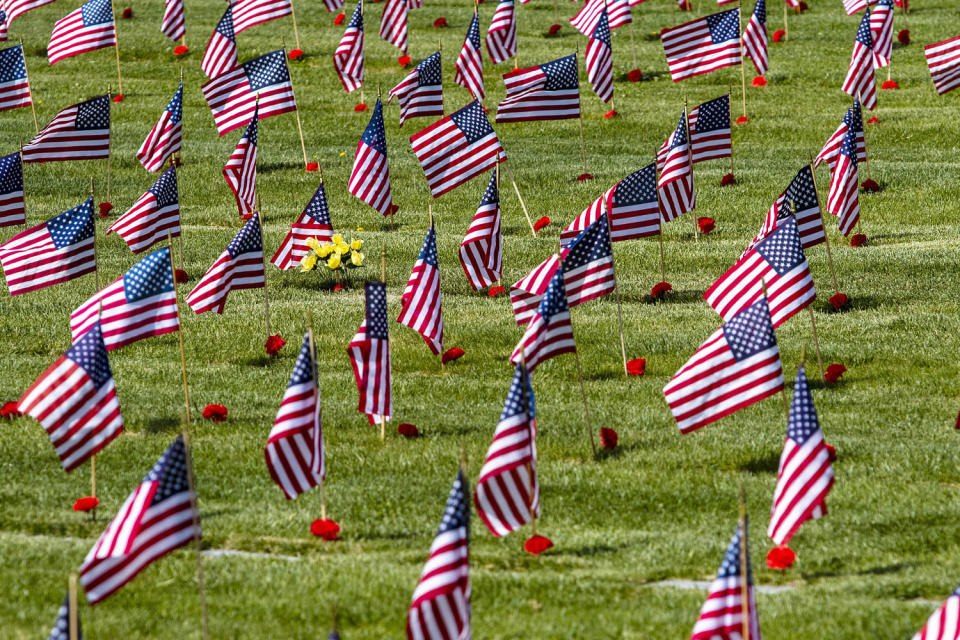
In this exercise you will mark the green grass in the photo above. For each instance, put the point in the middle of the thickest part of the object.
(662, 506)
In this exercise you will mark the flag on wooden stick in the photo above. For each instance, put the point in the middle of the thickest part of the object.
(481, 252)
(421, 310)
(240, 266)
(154, 215)
(369, 352)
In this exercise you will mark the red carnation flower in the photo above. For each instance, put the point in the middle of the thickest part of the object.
(313, 166)
(839, 301)
(408, 430)
(118, 98)
(274, 344)
(781, 557)
(554, 29)
(858, 240)
(215, 412)
(403, 61)
(86, 504)
(779, 35)
(635, 75)
(105, 209)
(803, 6)
(873, 120)
(889, 84)
(706, 225)
(535, 545)
(610, 114)
(831, 452)
(10, 411)
(337, 288)
(180, 49)
(440, 22)
(452, 354)
(759, 81)
(727, 180)
(127, 13)
(903, 36)
(360, 107)
(324, 528)
(660, 289)
(608, 438)
(541, 223)
(339, 19)
(637, 366)
(583, 177)
(742, 120)
(295, 54)
(870, 185)
(686, 6)
(493, 292)
(834, 373)
(180, 276)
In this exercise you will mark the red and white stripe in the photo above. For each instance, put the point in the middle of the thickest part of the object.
(469, 65)
(618, 14)
(240, 172)
(70, 37)
(691, 51)
(502, 35)
(675, 188)
(860, 81)
(526, 293)
(755, 41)
(843, 200)
(15, 8)
(221, 52)
(421, 310)
(146, 224)
(853, 6)
(61, 140)
(332, 5)
(172, 25)
(481, 252)
(943, 60)
(370, 177)
(15, 93)
(393, 23)
(294, 246)
(881, 30)
(370, 359)
(629, 220)
(546, 337)
(712, 143)
(232, 101)
(586, 218)
(416, 100)
(163, 141)
(944, 623)
(598, 57)
(832, 147)
(228, 273)
(722, 613)
(527, 99)
(249, 13)
(348, 57)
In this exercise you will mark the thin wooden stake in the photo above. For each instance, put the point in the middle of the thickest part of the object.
(183, 356)
(73, 615)
(616, 286)
(633, 45)
(296, 34)
(266, 297)
(583, 393)
(783, 392)
(816, 342)
(303, 146)
(116, 47)
(686, 126)
(786, 31)
(583, 147)
(109, 148)
(730, 105)
(520, 198)
(826, 236)
(443, 108)
(383, 278)
(319, 417)
(743, 71)
(656, 179)
(744, 569)
(33, 107)
(195, 513)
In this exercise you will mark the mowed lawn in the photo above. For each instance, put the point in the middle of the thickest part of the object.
(661, 506)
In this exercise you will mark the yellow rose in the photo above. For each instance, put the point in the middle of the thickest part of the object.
(313, 243)
(308, 262)
(356, 258)
(324, 250)
(359, 228)
(334, 261)
(355, 244)
(337, 239)
(342, 248)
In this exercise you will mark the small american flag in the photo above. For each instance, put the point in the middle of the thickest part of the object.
(527, 293)
(755, 38)
(155, 214)
(240, 172)
(675, 185)
(157, 518)
(85, 29)
(588, 267)
(860, 81)
(164, 139)
(314, 222)
(633, 206)
(16, 8)
(801, 195)
(704, 45)
(79, 132)
(294, 451)
(738, 365)
(507, 495)
(221, 52)
(369, 352)
(76, 402)
(852, 6)
(440, 609)
(141, 303)
(55, 251)
(249, 13)
(233, 95)
(12, 211)
(469, 64)
(599, 59)
(618, 14)
(240, 266)
(549, 333)
(710, 130)
(332, 5)
(881, 30)
(172, 24)
(481, 252)
(61, 628)
(14, 84)
(393, 23)
(502, 34)
(457, 149)
(943, 60)
(549, 91)
(370, 178)
(852, 120)
(843, 200)
(805, 476)
(348, 58)
(944, 623)
(420, 94)
(421, 310)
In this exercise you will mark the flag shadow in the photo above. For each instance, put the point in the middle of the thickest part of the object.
(163, 424)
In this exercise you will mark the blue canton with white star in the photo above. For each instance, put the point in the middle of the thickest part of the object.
(376, 300)
(491, 195)
(225, 26)
(714, 115)
(176, 105)
(301, 370)
(592, 244)
(61, 629)
(750, 331)
(428, 252)
(956, 592)
(782, 248)
(680, 133)
(801, 191)
(170, 472)
(73, 226)
(516, 402)
(863, 31)
(97, 12)
(884, 3)
(760, 11)
(93, 114)
(853, 118)
(250, 133)
(561, 74)
(803, 417)
(428, 71)
(90, 354)
(601, 32)
(12, 65)
(248, 240)
(164, 190)
(357, 20)
(730, 568)
(473, 33)
(267, 70)
(555, 299)
(11, 173)
(317, 208)
(637, 188)
(724, 26)
(472, 122)
(374, 136)
(849, 147)
(151, 276)
(456, 514)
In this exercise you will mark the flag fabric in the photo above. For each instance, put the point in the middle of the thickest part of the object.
(370, 177)
(314, 222)
(944, 623)
(618, 14)
(710, 130)
(502, 34)
(943, 60)
(79, 132)
(16, 8)
(481, 252)
(420, 301)
(507, 495)
(332, 5)
(549, 333)
(85, 29)
(369, 352)
(549, 91)
(853, 6)
(704, 45)
(527, 293)
(172, 24)
(155, 214)
(805, 476)
(881, 31)
(3, 26)
(755, 38)
(738, 365)
(860, 81)
(586, 218)
(802, 195)
(457, 148)
(250, 13)
(843, 200)
(240, 172)
(12, 211)
(221, 52)
(599, 59)
(852, 120)
(76, 401)
(721, 616)
(675, 184)
(633, 207)
(233, 95)
(14, 84)
(164, 139)
(393, 23)
(157, 518)
(420, 94)
(240, 266)
(440, 609)
(61, 628)
(58, 250)
(469, 64)
(141, 303)
(588, 270)
(348, 57)
(294, 451)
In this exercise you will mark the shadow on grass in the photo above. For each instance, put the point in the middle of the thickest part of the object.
(873, 571)
(163, 424)
(673, 297)
(766, 464)
(646, 76)
(588, 551)
(261, 361)
(279, 166)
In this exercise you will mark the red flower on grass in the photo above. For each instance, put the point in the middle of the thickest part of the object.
(608, 438)
(903, 36)
(127, 13)
(360, 107)
(554, 29)
(834, 373)
(803, 6)
(660, 289)
(541, 223)
(583, 177)
(535, 545)
(339, 19)
(889, 84)
(706, 225)
(686, 6)
(337, 288)
(637, 366)
(440, 22)
(10, 411)
(493, 292)
(86, 504)
(759, 81)
(180, 49)
(831, 452)
(408, 430)
(870, 185)
(858, 240)
(611, 114)
(452, 354)
(118, 98)
(180, 276)
(781, 557)
(105, 209)
(635, 75)
(873, 120)
(215, 412)
(325, 528)
(727, 180)
(742, 120)
(779, 35)
(273, 344)
(403, 61)
(313, 166)
(295, 54)
(839, 301)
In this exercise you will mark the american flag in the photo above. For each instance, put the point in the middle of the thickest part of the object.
(502, 34)
(370, 178)
(703, 45)
(420, 94)
(314, 222)
(860, 81)
(527, 293)
(155, 214)
(599, 59)
(852, 120)
(55, 251)
(801, 195)
(240, 172)
(457, 149)
(369, 352)
(294, 451)
(618, 14)
(14, 85)
(675, 184)
(76, 402)
(393, 23)
(481, 252)
(141, 303)
(843, 200)
(507, 495)
(157, 518)
(250, 13)
(164, 139)
(549, 333)
(944, 623)
(85, 29)
(633, 206)
(233, 95)
(12, 211)
(421, 297)
(172, 25)
(3, 25)
(332, 5)
(240, 266)
(221, 52)
(738, 365)
(710, 130)
(805, 476)
(469, 64)
(549, 91)
(586, 218)
(61, 628)
(881, 31)
(721, 616)
(79, 132)
(852, 6)
(440, 609)
(16, 8)
(588, 271)
(755, 38)
(943, 59)
(348, 58)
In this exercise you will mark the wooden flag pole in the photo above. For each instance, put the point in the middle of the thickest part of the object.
(583, 393)
(656, 176)
(744, 569)
(296, 34)
(633, 46)
(430, 213)
(116, 47)
(743, 71)
(526, 410)
(33, 107)
(826, 236)
(686, 126)
(583, 147)
(316, 391)
(109, 147)
(296, 112)
(383, 278)
(730, 105)
(183, 356)
(613, 270)
(786, 30)
(196, 532)
(443, 109)
(180, 151)
(96, 281)
(783, 391)
(520, 198)
(813, 322)
(73, 616)
(266, 297)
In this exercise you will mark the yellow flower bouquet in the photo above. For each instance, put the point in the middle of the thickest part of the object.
(336, 255)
